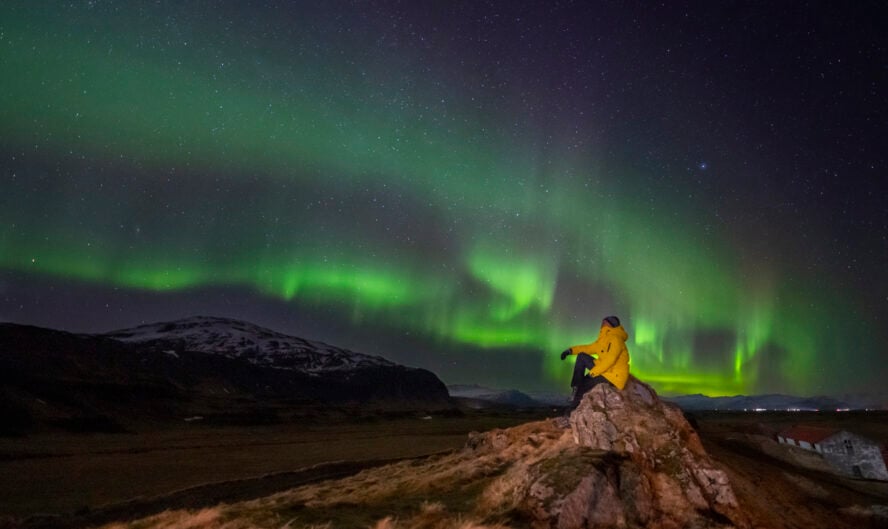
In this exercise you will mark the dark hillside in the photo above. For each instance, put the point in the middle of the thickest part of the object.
(94, 383)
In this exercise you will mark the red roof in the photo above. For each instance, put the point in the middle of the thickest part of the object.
(811, 434)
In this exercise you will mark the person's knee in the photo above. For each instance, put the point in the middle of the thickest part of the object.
(585, 361)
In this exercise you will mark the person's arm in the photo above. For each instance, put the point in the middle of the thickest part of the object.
(578, 349)
(589, 349)
(607, 356)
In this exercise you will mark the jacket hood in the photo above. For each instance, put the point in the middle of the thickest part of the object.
(619, 332)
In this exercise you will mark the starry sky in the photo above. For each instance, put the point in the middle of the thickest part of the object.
(464, 186)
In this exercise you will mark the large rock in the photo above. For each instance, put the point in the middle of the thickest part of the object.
(629, 461)
(653, 471)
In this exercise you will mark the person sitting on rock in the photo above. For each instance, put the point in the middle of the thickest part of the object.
(611, 366)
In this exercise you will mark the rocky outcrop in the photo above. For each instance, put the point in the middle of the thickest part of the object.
(634, 461)
(671, 482)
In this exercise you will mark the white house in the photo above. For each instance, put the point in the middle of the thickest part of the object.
(848, 453)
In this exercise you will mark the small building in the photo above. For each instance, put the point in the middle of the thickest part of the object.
(848, 453)
(807, 437)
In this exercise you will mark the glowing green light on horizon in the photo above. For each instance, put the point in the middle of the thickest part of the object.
(710, 384)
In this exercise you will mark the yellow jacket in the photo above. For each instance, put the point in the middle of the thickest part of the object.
(613, 356)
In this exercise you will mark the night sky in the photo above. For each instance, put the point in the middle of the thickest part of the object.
(467, 187)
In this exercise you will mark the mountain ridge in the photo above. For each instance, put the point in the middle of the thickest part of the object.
(93, 382)
(479, 396)
(240, 339)
(776, 402)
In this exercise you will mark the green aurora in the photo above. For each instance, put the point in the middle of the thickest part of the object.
(335, 180)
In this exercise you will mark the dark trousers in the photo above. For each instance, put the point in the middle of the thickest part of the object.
(581, 381)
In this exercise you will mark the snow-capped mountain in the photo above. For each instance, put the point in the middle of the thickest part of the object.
(224, 371)
(257, 345)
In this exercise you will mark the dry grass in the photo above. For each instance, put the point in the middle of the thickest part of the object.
(464, 489)
(180, 520)
(433, 515)
(110, 469)
(428, 515)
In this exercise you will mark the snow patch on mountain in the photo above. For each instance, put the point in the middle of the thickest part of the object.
(258, 345)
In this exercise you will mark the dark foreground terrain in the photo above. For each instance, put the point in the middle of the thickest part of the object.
(68, 480)
(74, 480)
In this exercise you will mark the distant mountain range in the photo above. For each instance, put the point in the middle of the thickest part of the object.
(202, 368)
(776, 402)
(233, 372)
(479, 396)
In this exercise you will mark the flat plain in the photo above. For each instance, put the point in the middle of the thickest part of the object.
(67, 473)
